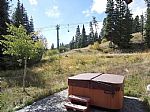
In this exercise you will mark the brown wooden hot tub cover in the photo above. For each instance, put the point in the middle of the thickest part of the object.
(104, 90)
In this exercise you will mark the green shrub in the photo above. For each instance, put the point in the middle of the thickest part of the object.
(52, 52)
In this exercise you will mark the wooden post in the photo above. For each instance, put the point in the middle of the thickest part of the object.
(24, 74)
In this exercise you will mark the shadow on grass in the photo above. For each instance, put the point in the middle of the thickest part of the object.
(134, 48)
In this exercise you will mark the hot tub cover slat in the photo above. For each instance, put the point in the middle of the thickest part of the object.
(85, 76)
(109, 78)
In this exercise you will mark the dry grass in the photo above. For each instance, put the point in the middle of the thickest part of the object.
(137, 37)
(50, 75)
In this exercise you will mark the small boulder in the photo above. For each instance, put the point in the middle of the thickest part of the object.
(148, 88)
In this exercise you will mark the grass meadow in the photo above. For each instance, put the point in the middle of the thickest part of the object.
(50, 75)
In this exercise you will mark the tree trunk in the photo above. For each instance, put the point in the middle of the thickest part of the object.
(24, 74)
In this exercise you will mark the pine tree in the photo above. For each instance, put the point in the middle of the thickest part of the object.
(78, 37)
(95, 23)
(83, 38)
(4, 18)
(31, 29)
(147, 25)
(136, 25)
(25, 20)
(147, 28)
(109, 19)
(91, 34)
(20, 16)
(31, 25)
(125, 25)
(142, 25)
(116, 27)
(103, 30)
(96, 36)
(127, 29)
(148, 3)
(72, 44)
(99, 39)
(17, 17)
(80, 43)
(52, 46)
(120, 22)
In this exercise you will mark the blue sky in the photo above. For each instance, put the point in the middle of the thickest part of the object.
(48, 13)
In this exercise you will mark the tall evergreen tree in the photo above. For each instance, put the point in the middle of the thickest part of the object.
(31, 25)
(147, 28)
(20, 16)
(124, 25)
(31, 29)
(109, 19)
(78, 37)
(52, 46)
(4, 18)
(136, 25)
(116, 25)
(147, 25)
(96, 38)
(103, 30)
(17, 16)
(95, 23)
(127, 29)
(91, 34)
(142, 25)
(72, 44)
(83, 38)
(25, 19)
(148, 3)
(99, 39)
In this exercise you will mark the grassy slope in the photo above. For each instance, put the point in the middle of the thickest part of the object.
(48, 77)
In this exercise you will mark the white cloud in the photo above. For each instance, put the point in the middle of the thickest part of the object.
(138, 7)
(53, 12)
(98, 6)
(33, 2)
(86, 13)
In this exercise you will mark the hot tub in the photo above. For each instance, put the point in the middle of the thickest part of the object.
(104, 90)
(81, 84)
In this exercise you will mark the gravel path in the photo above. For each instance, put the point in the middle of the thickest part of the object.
(54, 103)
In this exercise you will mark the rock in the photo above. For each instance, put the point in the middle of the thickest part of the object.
(148, 88)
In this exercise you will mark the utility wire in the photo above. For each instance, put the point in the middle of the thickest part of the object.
(62, 26)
